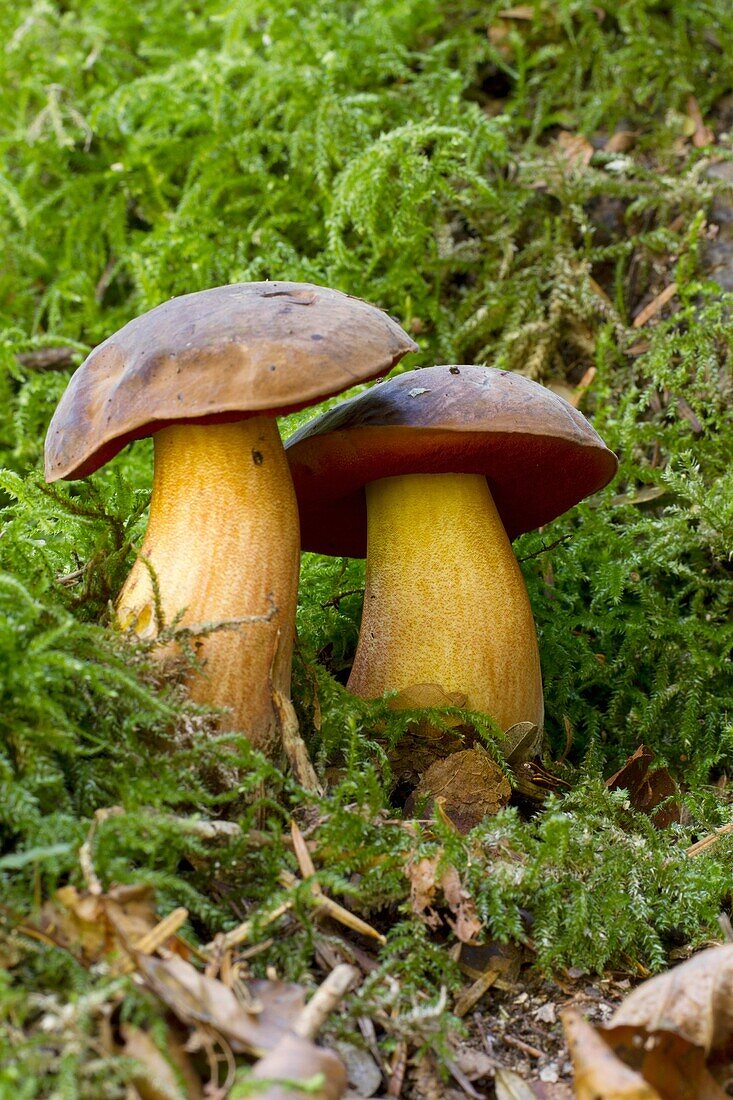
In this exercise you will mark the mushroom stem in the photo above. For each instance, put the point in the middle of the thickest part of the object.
(223, 542)
(445, 600)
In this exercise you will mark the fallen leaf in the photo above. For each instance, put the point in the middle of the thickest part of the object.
(297, 1062)
(574, 149)
(621, 141)
(647, 789)
(157, 1078)
(472, 785)
(664, 1040)
(521, 742)
(693, 1001)
(599, 1074)
(510, 1086)
(95, 925)
(198, 1000)
(429, 876)
(466, 923)
(424, 887)
(702, 135)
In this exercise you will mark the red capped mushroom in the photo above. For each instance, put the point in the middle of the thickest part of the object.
(431, 474)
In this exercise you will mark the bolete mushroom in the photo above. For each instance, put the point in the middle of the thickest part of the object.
(431, 474)
(206, 374)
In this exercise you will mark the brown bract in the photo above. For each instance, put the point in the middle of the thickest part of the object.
(539, 454)
(215, 356)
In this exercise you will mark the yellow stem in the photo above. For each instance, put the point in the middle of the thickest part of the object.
(223, 541)
(445, 601)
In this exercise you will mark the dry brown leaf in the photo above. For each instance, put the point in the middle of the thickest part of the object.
(693, 1001)
(157, 1078)
(510, 1086)
(424, 887)
(647, 788)
(574, 149)
(296, 1059)
(599, 1074)
(472, 785)
(702, 135)
(466, 923)
(621, 141)
(197, 1000)
(94, 925)
(430, 875)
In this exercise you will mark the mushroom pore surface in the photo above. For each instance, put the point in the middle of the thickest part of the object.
(445, 600)
(223, 542)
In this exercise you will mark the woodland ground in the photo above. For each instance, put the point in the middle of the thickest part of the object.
(544, 188)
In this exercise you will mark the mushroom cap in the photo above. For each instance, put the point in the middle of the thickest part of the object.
(539, 454)
(247, 349)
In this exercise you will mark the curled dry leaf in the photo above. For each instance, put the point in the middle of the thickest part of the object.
(296, 1061)
(574, 149)
(471, 784)
(647, 789)
(693, 1001)
(668, 1039)
(430, 875)
(159, 1077)
(599, 1074)
(95, 925)
(200, 1001)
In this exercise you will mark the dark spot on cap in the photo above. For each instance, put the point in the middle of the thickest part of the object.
(257, 458)
(273, 366)
(316, 336)
(454, 370)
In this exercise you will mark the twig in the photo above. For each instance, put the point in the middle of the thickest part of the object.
(86, 861)
(525, 1048)
(293, 744)
(243, 931)
(334, 601)
(474, 993)
(397, 1069)
(47, 358)
(328, 995)
(655, 306)
(332, 909)
(708, 841)
(155, 938)
(544, 548)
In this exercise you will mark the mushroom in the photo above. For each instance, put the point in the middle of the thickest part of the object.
(431, 474)
(206, 374)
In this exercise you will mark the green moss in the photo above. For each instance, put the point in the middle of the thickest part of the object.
(406, 152)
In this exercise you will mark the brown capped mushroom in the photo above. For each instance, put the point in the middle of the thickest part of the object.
(430, 474)
(206, 374)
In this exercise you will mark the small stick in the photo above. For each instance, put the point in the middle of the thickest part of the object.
(294, 745)
(655, 306)
(243, 931)
(302, 854)
(474, 993)
(332, 909)
(397, 1070)
(708, 841)
(521, 1045)
(325, 999)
